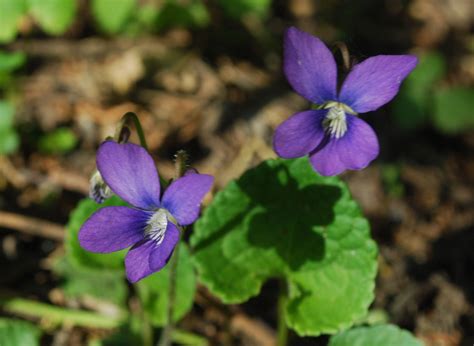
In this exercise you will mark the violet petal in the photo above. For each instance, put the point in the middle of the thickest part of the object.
(299, 134)
(375, 81)
(162, 252)
(355, 150)
(183, 197)
(130, 172)
(137, 260)
(112, 229)
(309, 66)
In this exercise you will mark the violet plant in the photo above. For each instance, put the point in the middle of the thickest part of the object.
(153, 226)
(332, 135)
(279, 221)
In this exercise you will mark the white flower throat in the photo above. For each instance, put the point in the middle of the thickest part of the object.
(156, 226)
(335, 122)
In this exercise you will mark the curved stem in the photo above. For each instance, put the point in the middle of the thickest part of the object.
(126, 119)
(346, 59)
(166, 337)
(282, 331)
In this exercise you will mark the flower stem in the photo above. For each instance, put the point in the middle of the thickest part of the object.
(122, 128)
(282, 332)
(346, 59)
(166, 336)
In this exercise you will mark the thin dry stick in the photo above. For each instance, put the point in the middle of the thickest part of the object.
(31, 225)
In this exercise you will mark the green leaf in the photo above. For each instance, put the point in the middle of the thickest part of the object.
(54, 16)
(81, 281)
(18, 333)
(121, 10)
(153, 290)
(240, 8)
(412, 105)
(11, 61)
(9, 139)
(453, 109)
(59, 141)
(11, 13)
(75, 253)
(282, 220)
(130, 333)
(6, 115)
(385, 334)
(190, 13)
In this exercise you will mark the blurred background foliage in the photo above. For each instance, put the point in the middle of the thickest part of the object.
(205, 75)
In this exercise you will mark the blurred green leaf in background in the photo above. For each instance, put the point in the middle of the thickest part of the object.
(9, 139)
(189, 13)
(54, 16)
(18, 333)
(454, 109)
(11, 13)
(239, 8)
(60, 141)
(412, 106)
(79, 282)
(9, 62)
(111, 15)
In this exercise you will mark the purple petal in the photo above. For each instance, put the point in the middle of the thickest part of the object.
(130, 172)
(183, 198)
(137, 260)
(300, 134)
(355, 150)
(112, 229)
(375, 81)
(309, 66)
(162, 252)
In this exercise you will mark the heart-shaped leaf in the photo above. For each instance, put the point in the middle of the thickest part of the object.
(282, 220)
(385, 334)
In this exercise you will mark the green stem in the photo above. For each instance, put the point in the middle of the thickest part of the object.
(126, 119)
(282, 332)
(168, 330)
(182, 337)
(59, 315)
(147, 329)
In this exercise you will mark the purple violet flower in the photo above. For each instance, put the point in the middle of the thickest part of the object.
(151, 227)
(332, 135)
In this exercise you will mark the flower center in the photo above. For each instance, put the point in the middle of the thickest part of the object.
(335, 122)
(156, 225)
